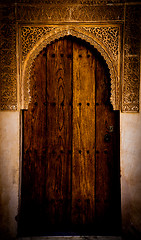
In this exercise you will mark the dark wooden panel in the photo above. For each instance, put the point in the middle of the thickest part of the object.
(70, 144)
(83, 158)
(34, 145)
(107, 153)
(59, 131)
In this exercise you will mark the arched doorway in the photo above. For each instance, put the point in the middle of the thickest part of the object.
(70, 173)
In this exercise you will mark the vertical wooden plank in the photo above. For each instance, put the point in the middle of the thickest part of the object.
(59, 131)
(83, 156)
(34, 144)
(107, 154)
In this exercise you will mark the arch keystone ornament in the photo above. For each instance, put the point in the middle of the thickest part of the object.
(106, 39)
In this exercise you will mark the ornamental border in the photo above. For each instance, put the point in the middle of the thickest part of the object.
(37, 37)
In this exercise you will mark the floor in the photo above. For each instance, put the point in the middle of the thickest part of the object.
(72, 238)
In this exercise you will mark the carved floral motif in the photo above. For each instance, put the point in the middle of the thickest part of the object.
(131, 70)
(30, 35)
(130, 93)
(109, 36)
(104, 39)
(8, 67)
(68, 13)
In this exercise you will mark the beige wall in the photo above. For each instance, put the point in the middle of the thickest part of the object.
(9, 173)
(130, 173)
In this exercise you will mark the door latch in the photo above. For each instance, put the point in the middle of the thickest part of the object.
(111, 129)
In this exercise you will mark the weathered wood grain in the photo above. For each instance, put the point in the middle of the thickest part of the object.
(34, 148)
(59, 131)
(83, 156)
(107, 154)
(71, 171)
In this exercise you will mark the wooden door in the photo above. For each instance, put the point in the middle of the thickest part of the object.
(70, 174)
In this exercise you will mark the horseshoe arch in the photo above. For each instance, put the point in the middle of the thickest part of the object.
(78, 32)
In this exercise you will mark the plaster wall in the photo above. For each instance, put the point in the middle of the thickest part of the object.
(130, 148)
(9, 173)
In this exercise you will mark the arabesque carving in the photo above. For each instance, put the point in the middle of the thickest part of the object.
(30, 35)
(131, 66)
(27, 23)
(130, 93)
(109, 37)
(8, 67)
(69, 12)
(96, 36)
(90, 2)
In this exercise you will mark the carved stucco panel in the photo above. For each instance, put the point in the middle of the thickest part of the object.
(30, 36)
(69, 12)
(109, 36)
(131, 69)
(130, 93)
(8, 67)
(104, 39)
(89, 2)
